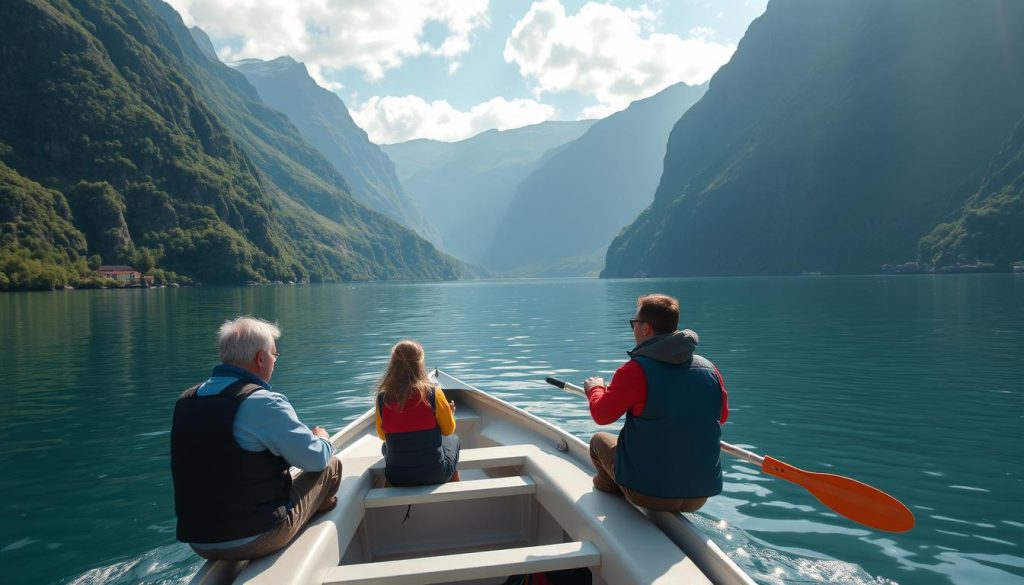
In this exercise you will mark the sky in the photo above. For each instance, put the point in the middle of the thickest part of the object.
(450, 69)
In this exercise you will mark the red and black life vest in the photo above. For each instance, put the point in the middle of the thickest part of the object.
(414, 439)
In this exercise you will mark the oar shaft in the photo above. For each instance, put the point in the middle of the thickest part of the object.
(743, 454)
(733, 450)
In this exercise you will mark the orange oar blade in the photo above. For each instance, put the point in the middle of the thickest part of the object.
(855, 500)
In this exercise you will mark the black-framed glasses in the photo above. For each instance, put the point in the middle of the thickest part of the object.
(633, 322)
(276, 354)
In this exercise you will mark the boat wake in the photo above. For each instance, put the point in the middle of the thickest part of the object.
(174, 564)
(770, 565)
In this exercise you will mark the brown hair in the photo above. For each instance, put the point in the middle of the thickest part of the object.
(406, 375)
(659, 311)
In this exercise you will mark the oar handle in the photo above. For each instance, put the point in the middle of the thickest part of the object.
(556, 382)
(733, 450)
(567, 386)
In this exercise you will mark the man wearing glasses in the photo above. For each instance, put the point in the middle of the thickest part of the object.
(667, 455)
(233, 441)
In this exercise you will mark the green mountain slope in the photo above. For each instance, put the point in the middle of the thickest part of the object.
(464, 187)
(840, 133)
(991, 226)
(39, 246)
(382, 247)
(324, 121)
(106, 122)
(580, 198)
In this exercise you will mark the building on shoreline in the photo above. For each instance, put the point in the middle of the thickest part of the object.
(124, 275)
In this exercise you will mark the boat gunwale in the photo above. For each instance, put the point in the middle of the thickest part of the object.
(711, 560)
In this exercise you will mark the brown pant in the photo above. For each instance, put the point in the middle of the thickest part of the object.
(309, 492)
(602, 453)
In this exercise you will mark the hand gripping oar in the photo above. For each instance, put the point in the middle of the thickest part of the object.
(848, 497)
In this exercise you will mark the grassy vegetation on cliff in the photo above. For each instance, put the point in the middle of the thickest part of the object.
(991, 227)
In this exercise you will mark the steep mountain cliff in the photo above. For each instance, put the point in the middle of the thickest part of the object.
(464, 187)
(324, 121)
(838, 135)
(114, 126)
(204, 43)
(990, 228)
(565, 213)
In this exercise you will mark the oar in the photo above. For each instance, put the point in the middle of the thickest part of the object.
(848, 497)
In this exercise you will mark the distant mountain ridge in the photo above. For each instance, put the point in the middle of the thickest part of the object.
(838, 135)
(464, 187)
(566, 212)
(119, 138)
(323, 120)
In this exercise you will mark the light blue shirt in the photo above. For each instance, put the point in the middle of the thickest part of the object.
(266, 421)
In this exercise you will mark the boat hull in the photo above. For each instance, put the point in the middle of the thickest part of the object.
(525, 499)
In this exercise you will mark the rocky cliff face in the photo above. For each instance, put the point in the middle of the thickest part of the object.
(465, 187)
(838, 135)
(565, 213)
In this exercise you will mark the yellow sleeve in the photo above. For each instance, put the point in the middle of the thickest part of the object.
(380, 423)
(443, 413)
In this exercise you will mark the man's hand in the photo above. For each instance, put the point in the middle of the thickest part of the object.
(592, 382)
(320, 432)
(451, 404)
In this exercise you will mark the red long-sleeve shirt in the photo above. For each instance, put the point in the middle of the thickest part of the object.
(628, 392)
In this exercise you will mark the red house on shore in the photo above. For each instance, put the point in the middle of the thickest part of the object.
(124, 274)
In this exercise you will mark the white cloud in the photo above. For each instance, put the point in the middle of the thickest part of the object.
(702, 32)
(393, 119)
(316, 72)
(611, 53)
(370, 35)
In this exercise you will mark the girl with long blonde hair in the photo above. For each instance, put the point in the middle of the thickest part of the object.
(416, 421)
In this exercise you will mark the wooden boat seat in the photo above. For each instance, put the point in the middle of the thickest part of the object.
(468, 566)
(449, 492)
(485, 457)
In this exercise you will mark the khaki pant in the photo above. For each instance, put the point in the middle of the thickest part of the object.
(602, 453)
(309, 493)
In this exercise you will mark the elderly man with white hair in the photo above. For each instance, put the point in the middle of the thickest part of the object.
(233, 441)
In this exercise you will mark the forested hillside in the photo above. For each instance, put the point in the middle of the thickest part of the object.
(840, 133)
(120, 145)
(991, 227)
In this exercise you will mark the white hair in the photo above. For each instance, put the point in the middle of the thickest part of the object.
(239, 339)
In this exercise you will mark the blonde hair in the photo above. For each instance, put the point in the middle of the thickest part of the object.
(406, 375)
(241, 338)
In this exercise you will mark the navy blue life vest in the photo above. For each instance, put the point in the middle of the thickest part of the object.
(221, 491)
(672, 449)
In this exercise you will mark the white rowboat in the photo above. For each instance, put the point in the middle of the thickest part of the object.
(525, 505)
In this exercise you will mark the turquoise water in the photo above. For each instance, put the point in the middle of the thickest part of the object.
(912, 384)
